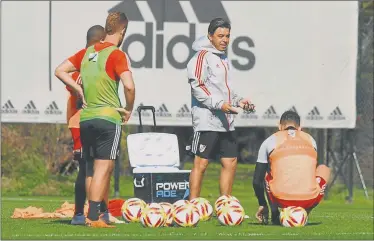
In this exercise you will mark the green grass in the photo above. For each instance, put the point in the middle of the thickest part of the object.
(332, 219)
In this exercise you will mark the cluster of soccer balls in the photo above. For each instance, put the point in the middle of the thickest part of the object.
(183, 213)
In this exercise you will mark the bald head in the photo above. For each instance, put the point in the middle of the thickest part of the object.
(95, 34)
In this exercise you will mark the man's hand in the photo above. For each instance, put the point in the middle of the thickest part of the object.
(228, 109)
(125, 113)
(262, 214)
(80, 94)
(247, 106)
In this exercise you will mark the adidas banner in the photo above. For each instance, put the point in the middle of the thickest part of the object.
(284, 55)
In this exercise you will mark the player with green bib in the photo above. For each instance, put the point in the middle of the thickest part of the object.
(102, 66)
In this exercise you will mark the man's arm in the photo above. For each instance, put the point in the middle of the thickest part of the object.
(262, 166)
(129, 89)
(63, 71)
(123, 71)
(197, 72)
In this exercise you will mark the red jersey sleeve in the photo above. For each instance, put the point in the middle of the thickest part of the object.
(122, 63)
(118, 62)
(76, 59)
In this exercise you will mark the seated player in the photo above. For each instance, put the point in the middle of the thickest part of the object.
(287, 161)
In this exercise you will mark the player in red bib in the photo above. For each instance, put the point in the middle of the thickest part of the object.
(73, 110)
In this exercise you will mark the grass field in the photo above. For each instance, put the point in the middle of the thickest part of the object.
(333, 219)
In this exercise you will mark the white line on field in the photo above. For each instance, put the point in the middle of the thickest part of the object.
(176, 234)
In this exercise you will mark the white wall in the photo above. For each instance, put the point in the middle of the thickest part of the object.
(305, 56)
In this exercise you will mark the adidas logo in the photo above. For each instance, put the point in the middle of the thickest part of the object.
(144, 113)
(336, 114)
(270, 113)
(293, 109)
(249, 116)
(52, 109)
(30, 108)
(8, 108)
(157, 36)
(314, 114)
(163, 111)
(184, 112)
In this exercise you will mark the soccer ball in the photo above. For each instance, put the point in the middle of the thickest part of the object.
(168, 209)
(293, 217)
(180, 203)
(186, 215)
(132, 209)
(204, 207)
(224, 199)
(230, 214)
(153, 216)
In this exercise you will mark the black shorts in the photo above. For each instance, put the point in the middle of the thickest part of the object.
(213, 144)
(100, 139)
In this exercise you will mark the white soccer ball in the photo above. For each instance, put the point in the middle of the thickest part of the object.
(224, 199)
(231, 214)
(180, 203)
(186, 215)
(293, 217)
(204, 207)
(168, 209)
(153, 216)
(132, 209)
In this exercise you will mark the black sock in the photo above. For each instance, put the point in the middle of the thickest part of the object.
(93, 210)
(80, 189)
(275, 217)
(103, 207)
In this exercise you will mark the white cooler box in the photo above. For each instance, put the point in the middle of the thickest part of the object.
(155, 159)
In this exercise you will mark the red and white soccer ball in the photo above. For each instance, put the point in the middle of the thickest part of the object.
(153, 216)
(180, 203)
(168, 209)
(132, 209)
(204, 207)
(230, 214)
(186, 215)
(293, 217)
(224, 199)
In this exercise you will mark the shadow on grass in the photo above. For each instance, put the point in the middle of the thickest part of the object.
(314, 224)
(259, 224)
(60, 221)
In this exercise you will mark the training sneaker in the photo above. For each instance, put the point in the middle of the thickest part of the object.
(98, 224)
(105, 217)
(78, 219)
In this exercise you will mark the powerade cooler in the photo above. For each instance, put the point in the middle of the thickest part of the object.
(155, 159)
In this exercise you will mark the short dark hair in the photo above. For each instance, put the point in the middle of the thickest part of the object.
(95, 34)
(218, 23)
(115, 22)
(289, 117)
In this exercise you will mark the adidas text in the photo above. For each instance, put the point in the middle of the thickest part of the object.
(147, 40)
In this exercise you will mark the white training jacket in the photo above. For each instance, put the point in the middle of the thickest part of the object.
(211, 85)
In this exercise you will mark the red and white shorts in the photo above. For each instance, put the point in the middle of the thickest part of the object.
(306, 204)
